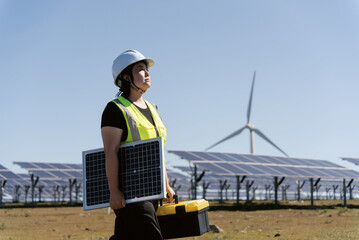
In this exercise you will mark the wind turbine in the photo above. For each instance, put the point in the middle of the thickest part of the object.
(251, 128)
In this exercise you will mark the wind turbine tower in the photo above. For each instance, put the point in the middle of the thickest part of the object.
(249, 126)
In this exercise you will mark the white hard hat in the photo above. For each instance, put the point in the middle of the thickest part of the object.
(127, 58)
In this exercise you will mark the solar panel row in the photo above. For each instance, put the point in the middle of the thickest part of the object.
(263, 187)
(229, 164)
(51, 176)
(49, 166)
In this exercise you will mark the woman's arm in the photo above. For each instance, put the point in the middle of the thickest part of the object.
(111, 137)
(169, 190)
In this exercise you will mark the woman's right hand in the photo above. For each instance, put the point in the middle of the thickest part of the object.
(117, 200)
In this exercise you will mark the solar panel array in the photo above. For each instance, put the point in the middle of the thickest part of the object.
(53, 182)
(141, 173)
(219, 166)
(260, 170)
(262, 187)
(53, 171)
(231, 164)
(7, 174)
(180, 182)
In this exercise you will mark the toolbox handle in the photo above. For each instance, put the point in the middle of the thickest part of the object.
(174, 196)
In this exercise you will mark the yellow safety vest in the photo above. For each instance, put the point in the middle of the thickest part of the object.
(139, 128)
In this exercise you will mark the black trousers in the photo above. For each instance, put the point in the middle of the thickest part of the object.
(137, 221)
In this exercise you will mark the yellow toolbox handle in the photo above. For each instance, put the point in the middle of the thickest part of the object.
(174, 196)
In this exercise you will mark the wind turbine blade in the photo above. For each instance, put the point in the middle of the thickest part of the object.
(268, 140)
(250, 99)
(228, 137)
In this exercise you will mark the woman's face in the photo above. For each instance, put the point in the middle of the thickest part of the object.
(141, 76)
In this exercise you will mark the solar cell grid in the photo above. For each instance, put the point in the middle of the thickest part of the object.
(43, 165)
(352, 160)
(292, 171)
(96, 185)
(141, 173)
(273, 160)
(25, 165)
(75, 166)
(308, 162)
(246, 158)
(293, 162)
(74, 174)
(42, 174)
(8, 174)
(259, 159)
(283, 160)
(59, 166)
(351, 173)
(47, 182)
(334, 172)
(206, 156)
(252, 169)
(172, 174)
(213, 168)
(19, 181)
(186, 155)
(183, 168)
(269, 170)
(314, 172)
(282, 171)
(60, 182)
(223, 157)
(59, 174)
(225, 168)
(328, 164)
(237, 169)
(144, 172)
(328, 172)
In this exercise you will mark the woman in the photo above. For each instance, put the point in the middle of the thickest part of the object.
(126, 119)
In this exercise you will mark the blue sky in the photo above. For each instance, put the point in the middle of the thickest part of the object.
(55, 74)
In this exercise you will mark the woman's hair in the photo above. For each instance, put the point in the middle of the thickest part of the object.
(125, 85)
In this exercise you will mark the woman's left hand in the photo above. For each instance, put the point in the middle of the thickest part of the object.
(170, 194)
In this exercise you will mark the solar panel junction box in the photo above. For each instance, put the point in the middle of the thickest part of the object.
(183, 219)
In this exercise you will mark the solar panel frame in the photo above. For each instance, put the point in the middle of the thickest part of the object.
(102, 200)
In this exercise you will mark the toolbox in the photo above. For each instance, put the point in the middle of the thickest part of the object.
(183, 219)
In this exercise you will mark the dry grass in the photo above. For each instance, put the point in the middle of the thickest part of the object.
(74, 223)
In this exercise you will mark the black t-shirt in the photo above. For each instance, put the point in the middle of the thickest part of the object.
(112, 116)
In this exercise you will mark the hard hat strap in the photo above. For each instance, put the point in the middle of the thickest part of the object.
(139, 90)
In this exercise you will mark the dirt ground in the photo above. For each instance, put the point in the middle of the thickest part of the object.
(74, 223)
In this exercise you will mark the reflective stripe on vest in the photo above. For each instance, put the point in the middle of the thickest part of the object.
(139, 127)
